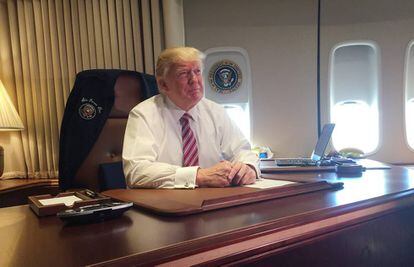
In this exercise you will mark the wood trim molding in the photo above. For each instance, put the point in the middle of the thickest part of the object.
(272, 235)
(19, 184)
(16, 191)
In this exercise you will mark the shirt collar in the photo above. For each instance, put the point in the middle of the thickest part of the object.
(177, 112)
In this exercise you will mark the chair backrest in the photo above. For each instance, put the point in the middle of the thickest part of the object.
(128, 92)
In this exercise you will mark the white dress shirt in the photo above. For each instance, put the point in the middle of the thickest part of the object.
(152, 151)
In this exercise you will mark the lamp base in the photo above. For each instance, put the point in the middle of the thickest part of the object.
(1, 160)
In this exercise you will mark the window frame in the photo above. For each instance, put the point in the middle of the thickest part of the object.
(405, 95)
(377, 54)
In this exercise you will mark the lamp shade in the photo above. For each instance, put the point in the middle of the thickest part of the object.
(9, 118)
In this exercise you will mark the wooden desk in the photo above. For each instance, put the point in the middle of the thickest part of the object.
(15, 191)
(367, 223)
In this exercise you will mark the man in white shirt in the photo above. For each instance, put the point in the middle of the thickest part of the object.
(179, 139)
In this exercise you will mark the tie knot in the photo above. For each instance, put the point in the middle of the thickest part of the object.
(185, 118)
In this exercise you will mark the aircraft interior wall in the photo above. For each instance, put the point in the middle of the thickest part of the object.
(281, 38)
(389, 24)
(282, 49)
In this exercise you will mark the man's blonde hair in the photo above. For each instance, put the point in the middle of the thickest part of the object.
(174, 55)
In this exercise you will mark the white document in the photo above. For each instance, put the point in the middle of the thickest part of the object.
(68, 200)
(268, 183)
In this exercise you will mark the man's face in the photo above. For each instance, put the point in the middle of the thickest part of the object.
(183, 84)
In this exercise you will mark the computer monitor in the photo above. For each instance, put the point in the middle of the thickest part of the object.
(323, 140)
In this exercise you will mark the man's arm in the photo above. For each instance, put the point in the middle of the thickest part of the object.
(140, 151)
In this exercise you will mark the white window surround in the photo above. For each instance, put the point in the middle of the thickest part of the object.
(241, 99)
(371, 99)
(409, 96)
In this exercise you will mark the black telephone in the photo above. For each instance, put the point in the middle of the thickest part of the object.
(96, 212)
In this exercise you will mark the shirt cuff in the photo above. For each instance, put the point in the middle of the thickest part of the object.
(185, 178)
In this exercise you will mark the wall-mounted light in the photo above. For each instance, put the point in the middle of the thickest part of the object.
(9, 119)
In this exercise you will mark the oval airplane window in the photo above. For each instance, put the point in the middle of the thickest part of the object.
(409, 122)
(227, 81)
(356, 126)
(239, 113)
(409, 95)
(354, 90)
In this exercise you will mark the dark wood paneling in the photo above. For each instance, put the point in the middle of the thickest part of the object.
(384, 241)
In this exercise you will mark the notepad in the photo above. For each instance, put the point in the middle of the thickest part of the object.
(67, 200)
(268, 183)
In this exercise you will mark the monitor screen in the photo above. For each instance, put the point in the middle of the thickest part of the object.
(323, 141)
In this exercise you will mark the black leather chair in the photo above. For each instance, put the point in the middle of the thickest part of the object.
(101, 165)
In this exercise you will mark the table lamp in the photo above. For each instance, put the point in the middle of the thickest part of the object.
(9, 119)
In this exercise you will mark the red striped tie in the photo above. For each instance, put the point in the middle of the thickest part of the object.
(190, 150)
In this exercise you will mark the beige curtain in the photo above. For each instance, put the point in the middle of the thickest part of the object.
(47, 43)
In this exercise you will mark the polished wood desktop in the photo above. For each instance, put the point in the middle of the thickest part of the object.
(15, 191)
(367, 223)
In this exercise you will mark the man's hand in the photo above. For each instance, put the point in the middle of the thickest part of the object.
(242, 174)
(225, 174)
(215, 176)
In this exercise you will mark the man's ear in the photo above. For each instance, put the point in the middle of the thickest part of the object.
(162, 85)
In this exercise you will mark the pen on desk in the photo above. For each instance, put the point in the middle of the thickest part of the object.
(90, 193)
